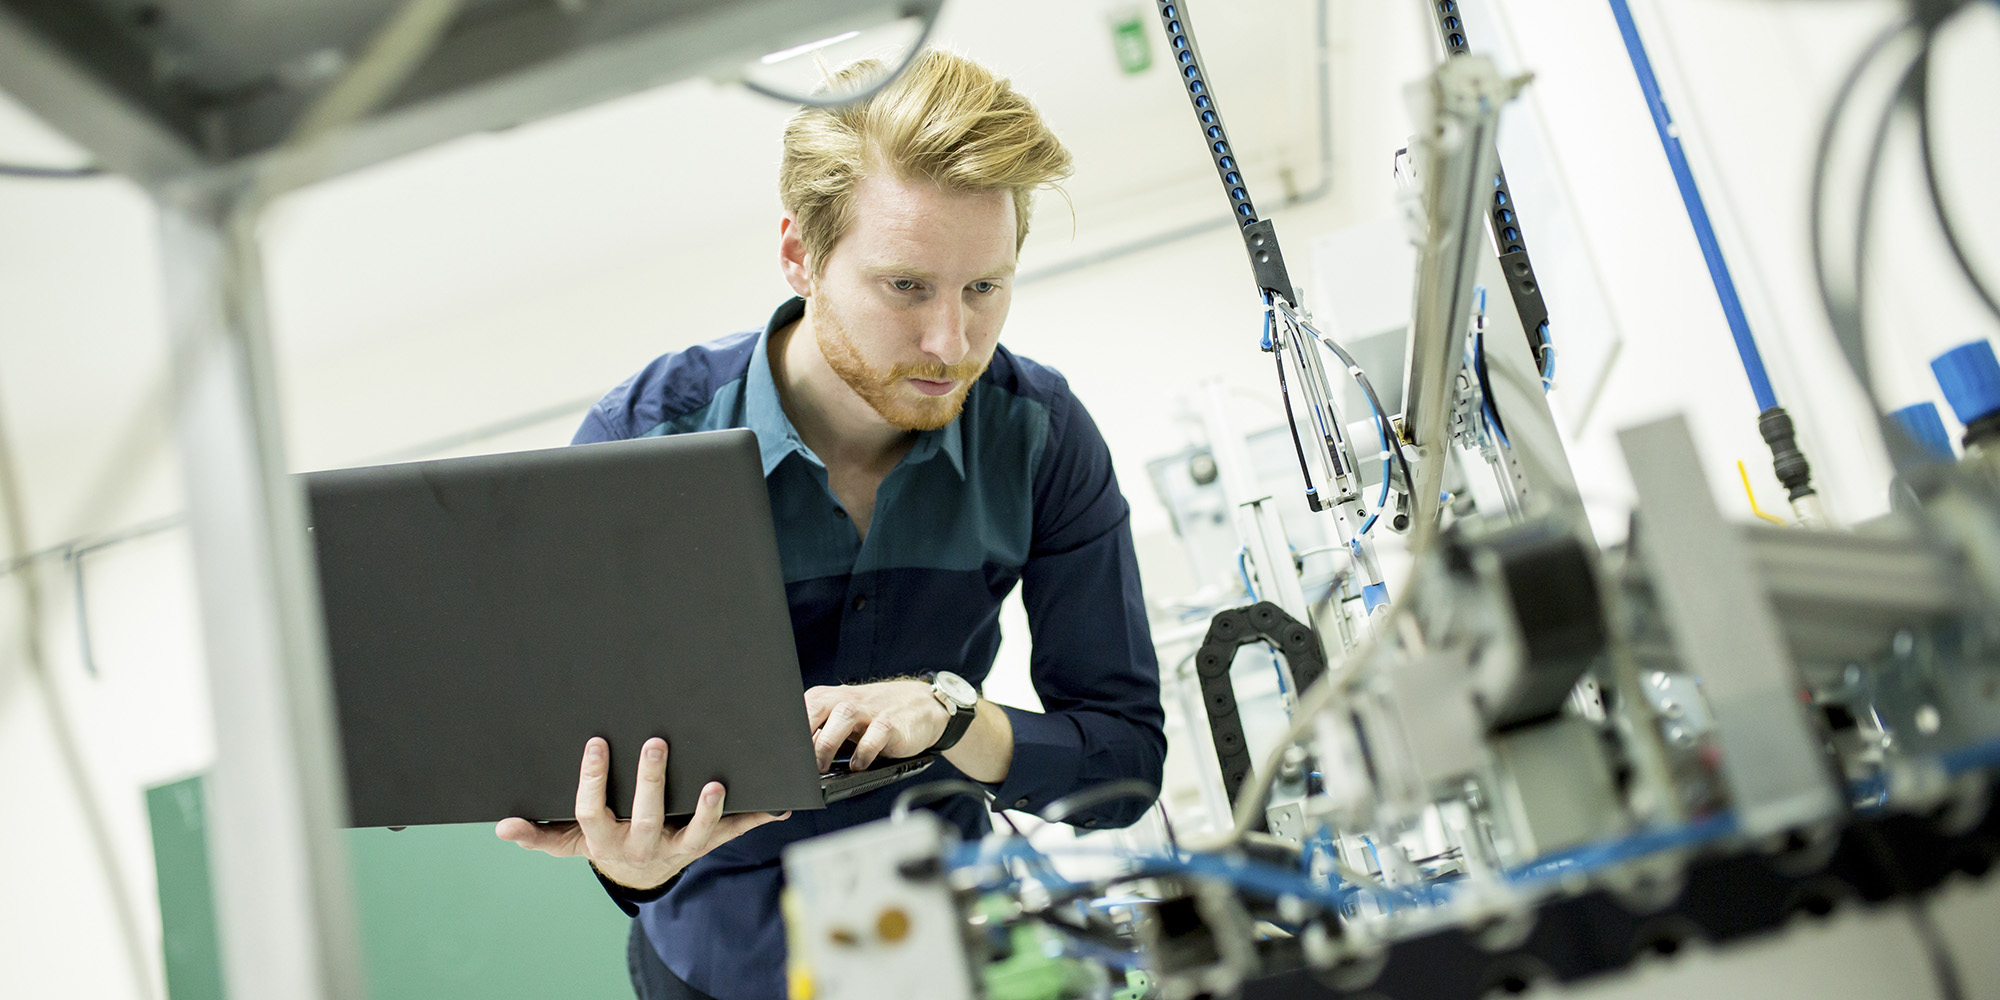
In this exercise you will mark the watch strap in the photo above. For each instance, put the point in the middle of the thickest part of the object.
(954, 729)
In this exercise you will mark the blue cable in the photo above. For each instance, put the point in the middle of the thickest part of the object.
(1387, 458)
(1977, 757)
(1606, 853)
(1243, 567)
(1548, 358)
(1273, 882)
(1485, 402)
(1697, 210)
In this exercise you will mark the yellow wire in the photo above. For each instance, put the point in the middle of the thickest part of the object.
(1752, 494)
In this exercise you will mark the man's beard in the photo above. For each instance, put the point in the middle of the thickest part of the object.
(889, 393)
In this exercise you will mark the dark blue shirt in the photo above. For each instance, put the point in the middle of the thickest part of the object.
(1018, 489)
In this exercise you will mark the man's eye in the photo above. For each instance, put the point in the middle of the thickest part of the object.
(903, 285)
(983, 287)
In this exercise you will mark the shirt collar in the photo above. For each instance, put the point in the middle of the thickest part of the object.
(764, 413)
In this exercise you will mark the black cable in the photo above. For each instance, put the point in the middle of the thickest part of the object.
(1486, 387)
(1097, 795)
(1944, 967)
(936, 791)
(1927, 143)
(25, 172)
(1870, 176)
(1285, 394)
(1846, 323)
(1374, 403)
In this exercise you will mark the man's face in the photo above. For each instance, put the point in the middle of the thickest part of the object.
(909, 306)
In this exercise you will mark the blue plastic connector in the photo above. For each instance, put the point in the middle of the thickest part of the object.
(1922, 423)
(1970, 378)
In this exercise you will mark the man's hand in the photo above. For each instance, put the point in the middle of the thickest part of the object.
(642, 852)
(892, 718)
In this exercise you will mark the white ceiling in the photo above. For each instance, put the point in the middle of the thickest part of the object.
(362, 268)
(479, 219)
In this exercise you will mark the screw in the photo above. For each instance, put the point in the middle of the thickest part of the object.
(1928, 720)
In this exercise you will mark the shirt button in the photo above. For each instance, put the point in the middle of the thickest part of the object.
(860, 601)
(840, 512)
(1020, 803)
(1090, 824)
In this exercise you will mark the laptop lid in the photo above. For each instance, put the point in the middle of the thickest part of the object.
(488, 615)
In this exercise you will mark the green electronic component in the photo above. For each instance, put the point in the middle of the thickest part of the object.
(1132, 42)
(1138, 986)
(1031, 972)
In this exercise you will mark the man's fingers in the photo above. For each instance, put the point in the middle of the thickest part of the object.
(819, 703)
(591, 813)
(839, 723)
(564, 840)
(693, 838)
(649, 793)
(870, 744)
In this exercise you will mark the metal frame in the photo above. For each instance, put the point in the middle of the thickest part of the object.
(216, 104)
(1778, 777)
(277, 795)
(1458, 111)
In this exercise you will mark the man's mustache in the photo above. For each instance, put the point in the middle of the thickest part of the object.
(934, 372)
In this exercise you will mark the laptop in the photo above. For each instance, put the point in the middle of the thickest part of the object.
(487, 615)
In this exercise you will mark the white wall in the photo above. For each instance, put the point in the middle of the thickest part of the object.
(505, 274)
(1748, 84)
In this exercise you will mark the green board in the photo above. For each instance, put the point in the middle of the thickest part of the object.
(446, 913)
(450, 912)
(187, 906)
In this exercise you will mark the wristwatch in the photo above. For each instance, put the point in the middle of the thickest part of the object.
(958, 697)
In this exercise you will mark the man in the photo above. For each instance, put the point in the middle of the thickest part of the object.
(917, 471)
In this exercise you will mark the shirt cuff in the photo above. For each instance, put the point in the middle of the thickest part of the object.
(1048, 752)
(628, 898)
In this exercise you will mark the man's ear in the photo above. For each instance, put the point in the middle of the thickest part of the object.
(792, 259)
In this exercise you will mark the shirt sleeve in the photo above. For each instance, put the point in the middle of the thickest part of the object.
(596, 427)
(628, 898)
(1093, 662)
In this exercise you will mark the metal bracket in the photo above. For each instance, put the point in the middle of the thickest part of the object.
(1725, 630)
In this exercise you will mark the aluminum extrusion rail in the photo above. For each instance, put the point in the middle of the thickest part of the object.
(1505, 229)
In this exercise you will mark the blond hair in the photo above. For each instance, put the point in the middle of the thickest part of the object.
(945, 119)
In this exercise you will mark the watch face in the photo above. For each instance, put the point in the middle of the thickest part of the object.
(957, 688)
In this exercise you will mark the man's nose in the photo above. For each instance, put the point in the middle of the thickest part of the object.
(945, 336)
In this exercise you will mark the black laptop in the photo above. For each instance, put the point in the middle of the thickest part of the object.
(488, 615)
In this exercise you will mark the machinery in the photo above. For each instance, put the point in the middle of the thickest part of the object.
(1533, 759)
(1523, 758)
